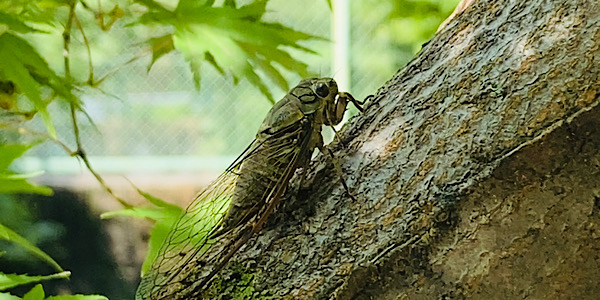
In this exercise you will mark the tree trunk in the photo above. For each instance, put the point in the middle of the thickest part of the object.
(475, 172)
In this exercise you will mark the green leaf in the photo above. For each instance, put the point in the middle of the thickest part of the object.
(157, 236)
(12, 236)
(161, 46)
(281, 57)
(25, 175)
(196, 65)
(272, 72)
(159, 202)
(224, 52)
(7, 296)
(10, 152)
(233, 40)
(230, 3)
(138, 212)
(211, 59)
(11, 182)
(415, 9)
(162, 211)
(22, 64)
(44, 11)
(165, 214)
(36, 293)
(14, 69)
(15, 23)
(153, 5)
(4, 234)
(8, 281)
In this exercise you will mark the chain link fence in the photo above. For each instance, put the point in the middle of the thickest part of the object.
(159, 113)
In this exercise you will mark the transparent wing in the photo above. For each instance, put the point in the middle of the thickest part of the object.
(189, 237)
(189, 257)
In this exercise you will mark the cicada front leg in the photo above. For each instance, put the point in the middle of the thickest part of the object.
(346, 96)
(334, 111)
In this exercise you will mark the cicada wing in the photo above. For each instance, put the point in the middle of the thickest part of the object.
(189, 238)
(283, 151)
(190, 257)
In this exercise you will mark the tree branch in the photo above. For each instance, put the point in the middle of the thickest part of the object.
(502, 83)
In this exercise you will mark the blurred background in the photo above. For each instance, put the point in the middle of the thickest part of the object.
(153, 128)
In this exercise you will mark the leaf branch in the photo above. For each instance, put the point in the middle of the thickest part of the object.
(79, 152)
(90, 80)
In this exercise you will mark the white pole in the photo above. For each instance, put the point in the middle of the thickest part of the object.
(340, 28)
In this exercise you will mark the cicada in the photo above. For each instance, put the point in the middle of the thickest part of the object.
(223, 217)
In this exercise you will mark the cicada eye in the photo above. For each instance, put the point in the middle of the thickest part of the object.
(322, 90)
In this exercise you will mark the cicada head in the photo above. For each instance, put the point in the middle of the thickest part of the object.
(314, 93)
(309, 96)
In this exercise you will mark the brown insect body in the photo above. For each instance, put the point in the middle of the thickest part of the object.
(196, 249)
(298, 116)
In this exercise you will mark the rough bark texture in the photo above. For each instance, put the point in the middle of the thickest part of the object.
(476, 172)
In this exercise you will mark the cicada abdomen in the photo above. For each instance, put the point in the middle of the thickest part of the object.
(234, 207)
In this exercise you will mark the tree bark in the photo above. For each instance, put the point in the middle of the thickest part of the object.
(475, 172)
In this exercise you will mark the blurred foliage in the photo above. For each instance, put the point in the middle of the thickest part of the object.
(10, 181)
(233, 40)
(9, 235)
(162, 213)
(22, 69)
(37, 292)
(413, 22)
(65, 227)
(11, 280)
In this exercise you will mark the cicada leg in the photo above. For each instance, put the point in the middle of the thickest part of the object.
(338, 169)
(334, 110)
(334, 113)
(348, 96)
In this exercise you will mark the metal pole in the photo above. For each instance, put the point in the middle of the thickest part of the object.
(340, 28)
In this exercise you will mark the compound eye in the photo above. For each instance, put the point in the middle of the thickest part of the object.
(322, 90)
